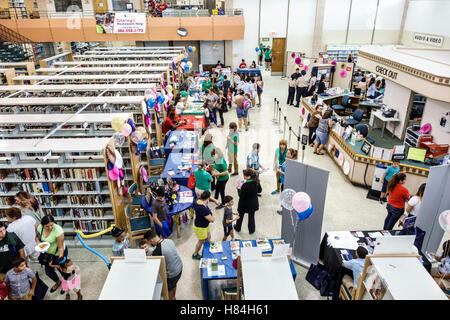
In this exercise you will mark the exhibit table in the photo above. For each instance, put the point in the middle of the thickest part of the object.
(193, 122)
(211, 284)
(379, 115)
(187, 142)
(195, 108)
(249, 72)
(132, 281)
(332, 257)
(174, 160)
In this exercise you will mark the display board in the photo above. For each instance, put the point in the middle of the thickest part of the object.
(307, 236)
(211, 52)
(120, 22)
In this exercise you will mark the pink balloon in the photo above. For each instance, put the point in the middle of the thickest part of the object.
(343, 73)
(333, 63)
(126, 130)
(144, 175)
(114, 173)
(303, 111)
(293, 55)
(305, 68)
(298, 60)
(301, 201)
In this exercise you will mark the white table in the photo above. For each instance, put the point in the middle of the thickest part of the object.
(132, 281)
(378, 114)
(268, 279)
(407, 279)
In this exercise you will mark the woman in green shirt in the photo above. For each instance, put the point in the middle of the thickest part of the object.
(203, 180)
(49, 231)
(268, 58)
(206, 84)
(280, 157)
(221, 173)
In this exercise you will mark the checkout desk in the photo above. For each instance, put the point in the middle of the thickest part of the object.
(358, 167)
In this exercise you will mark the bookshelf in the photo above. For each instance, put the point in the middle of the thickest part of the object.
(61, 56)
(340, 53)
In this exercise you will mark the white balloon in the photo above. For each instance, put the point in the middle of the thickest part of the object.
(444, 220)
(119, 160)
(286, 198)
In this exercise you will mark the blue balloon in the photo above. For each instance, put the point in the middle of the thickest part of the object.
(110, 165)
(305, 214)
(186, 67)
(131, 123)
(185, 60)
(151, 103)
(190, 49)
(160, 99)
(142, 145)
(256, 49)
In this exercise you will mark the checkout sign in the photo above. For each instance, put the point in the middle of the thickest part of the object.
(386, 72)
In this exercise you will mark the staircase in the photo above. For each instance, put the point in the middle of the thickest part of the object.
(14, 47)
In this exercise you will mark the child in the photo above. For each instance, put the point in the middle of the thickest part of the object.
(229, 99)
(357, 266)
(144, 245)
(292, 82)
(390, 171)
(232, 147)
(159, 214)
(246, 106)
(122, 242)
(70, 278)
(290, 154)
(222, 106)
(18, 281)
(228, 218)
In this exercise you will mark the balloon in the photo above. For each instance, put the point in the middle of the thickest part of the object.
(293, 54)
(151, 103)
(256, 49)
(305, 214)
(298, 60)
(333, 63)
(160, 99)
(185, 60)
(121, 174)
(343, 73)
(444, 220)
(306, 62)
(169, 88)
(194, 49)
(180, 57)
(142, 145)
(240, 182)
(135, 138)
(114, 173)
(190, 49)
(286, 198)
(119, 139)
(117, 124)
(147, 120)
(131, 123)
(170, 95)
(126, 130)
(186, 68)
(110, 165)
(144, 174)
(141, 133)
(119, 160)
(301, 201)
(305, 68)
(189, 63)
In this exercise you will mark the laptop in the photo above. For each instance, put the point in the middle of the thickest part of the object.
(394, 245)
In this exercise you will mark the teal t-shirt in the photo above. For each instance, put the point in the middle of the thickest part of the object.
(267, 54)
(221, 167)
(390, 171)
(202, 180)
(232, 148)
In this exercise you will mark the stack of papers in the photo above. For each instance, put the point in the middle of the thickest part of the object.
(342, 239)
(263, 244)
(247, 244)
(215, 246)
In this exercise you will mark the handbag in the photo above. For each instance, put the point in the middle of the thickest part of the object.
(191, 181)
(45, 258)
(388, 113)
(41, 289)
(320, 279)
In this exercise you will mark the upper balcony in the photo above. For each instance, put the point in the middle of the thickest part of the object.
(83, 25)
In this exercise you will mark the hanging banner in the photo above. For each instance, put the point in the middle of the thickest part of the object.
(121, 22)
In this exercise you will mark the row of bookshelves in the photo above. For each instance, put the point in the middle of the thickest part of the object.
(50, 187)
(54, 173)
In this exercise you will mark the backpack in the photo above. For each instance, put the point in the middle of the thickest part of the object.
(191, 181)
(320, 279)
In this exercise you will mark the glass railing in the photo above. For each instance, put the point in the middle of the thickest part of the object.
(22, 13)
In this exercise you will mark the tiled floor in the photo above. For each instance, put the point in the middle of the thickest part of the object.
(346, 205)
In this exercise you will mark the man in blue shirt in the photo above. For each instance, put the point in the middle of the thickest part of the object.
(390, 171)
(253, 159)
(357, 266)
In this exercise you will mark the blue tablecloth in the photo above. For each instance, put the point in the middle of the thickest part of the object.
(180, 207)
(230, 272)
(173, 161)
(251, 72)
(184, 144)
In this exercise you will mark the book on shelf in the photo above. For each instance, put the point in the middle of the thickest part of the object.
(263, 244)
(57, 173)
(55, 212)
(86, 212)
(85, 200)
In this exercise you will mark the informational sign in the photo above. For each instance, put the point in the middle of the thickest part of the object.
(386, 72)
(304, 139)
(428, 39)
(121, 22)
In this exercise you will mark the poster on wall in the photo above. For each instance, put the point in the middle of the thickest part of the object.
(120, 22)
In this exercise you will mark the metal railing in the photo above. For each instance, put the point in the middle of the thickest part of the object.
(15, 47)
(22, 13)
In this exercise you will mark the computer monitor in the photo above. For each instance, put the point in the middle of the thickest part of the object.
(416, 154)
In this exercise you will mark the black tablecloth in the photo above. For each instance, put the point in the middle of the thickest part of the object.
(332, 260)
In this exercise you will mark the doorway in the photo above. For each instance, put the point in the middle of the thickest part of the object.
(278, 55)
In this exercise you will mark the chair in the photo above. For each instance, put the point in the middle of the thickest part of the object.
(344, 104)
(134, 199)
(138, 223)
(155, 165)
(234, 293)
(363, 129)
(356, 118)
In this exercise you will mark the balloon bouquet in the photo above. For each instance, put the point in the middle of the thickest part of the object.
(298, 201)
